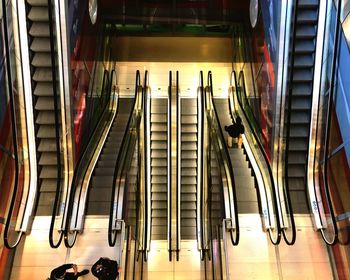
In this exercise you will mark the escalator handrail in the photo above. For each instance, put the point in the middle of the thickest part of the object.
(124, 149)
(234, 241)
(262, 151)
(147, 223)
(178, 167)
(328, 129)
(201, 167)
(81, 169)
(7, 242)
(54, 244)
(169, 154)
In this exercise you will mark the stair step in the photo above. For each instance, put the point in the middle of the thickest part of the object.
(39, 14)
(43, 89)
(41, 60)
(42, 75)
(39, 29)
(40, 45)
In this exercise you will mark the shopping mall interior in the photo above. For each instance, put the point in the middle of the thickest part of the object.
(183, 139)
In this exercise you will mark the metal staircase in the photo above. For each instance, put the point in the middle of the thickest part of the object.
(188, 168)
(301, 95)
(102, 178)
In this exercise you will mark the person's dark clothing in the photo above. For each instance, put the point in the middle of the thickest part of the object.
(105, 269)
(58, 273)
(234, 130)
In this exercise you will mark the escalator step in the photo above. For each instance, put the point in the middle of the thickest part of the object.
(296, 170)
(246, 194)
(157, 205)
(159, 222)
(159, 188)
(47, 145)
(45, 103)
(48, 172)
(48, 185)
(39, 29)
(158, 109)
(303, 60)
(297, 144)
(188, 181)
(304, 46)
(159, 154)
(41, 60)
(302, 89)
(100, 194)
(40, 45)
(159, 118)
(189, 163)
(159, 145)
(102, 181)
(156, 162)
(188, 232)
(189, 137)
(305, 32)
(301, 104)
(191, 119)
(189, 128)
(296, 183)
(297, 158)
(106, 163)
(188, 189)
(190, 222)
(104, 171)
(308, 3)
(157, 196)
(242, 171)
(188, 146)
(299, 130)
(37, 2)
(158, 136)
(245, 207)
(159, 213)
(48, 159)
(189, 155)
(188, 214)
(46, 118)
(46, 131)
(188, 205)
(43, 89)
(159, 127)
(98, 208)
(42, 75)
(38, 14)
(306, 16)
(303, 75)
(159, 171)
(158, 180)
(189, 171)
(188, 197)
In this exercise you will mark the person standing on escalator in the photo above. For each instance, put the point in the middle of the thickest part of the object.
(60, 273)
(235, 130)
(105, 269)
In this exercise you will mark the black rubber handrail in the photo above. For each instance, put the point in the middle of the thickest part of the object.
(124, 148)
(170, 171)
(235, 240)
(201, 137)
(54, 244)
(145, 112)
(328, 129)
(178, 199)
(86, 155)
(7, 242)
(262, 151)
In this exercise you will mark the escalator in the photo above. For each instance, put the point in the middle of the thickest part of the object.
(102, 178)
(189, 155)
(247, 196)
(43, 96)
(159, 173)
(299, 102)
